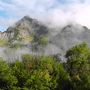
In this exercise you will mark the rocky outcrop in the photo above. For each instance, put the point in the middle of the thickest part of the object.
(24, 31)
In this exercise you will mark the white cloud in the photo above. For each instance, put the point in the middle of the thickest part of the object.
(51, 11)
(75, 12)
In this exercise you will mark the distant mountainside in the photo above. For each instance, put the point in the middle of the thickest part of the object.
(71, 35)
(32, 36)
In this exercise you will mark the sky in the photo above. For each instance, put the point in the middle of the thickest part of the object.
(54, 12)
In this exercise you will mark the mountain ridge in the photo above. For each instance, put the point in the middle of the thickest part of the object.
(31, 36)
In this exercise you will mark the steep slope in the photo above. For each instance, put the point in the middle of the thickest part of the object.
(24, 31)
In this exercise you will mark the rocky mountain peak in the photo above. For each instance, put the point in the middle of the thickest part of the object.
(74, 28)
(24, 31)
(27, 18)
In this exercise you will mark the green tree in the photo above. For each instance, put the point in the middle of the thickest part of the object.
(7, 80)
(46, 73)
(20, 72)
(39, 69)
(78, 67)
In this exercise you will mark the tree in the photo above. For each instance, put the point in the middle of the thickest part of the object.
(7, 80)
(20, 72)
(46, 73)
(39, 69)
(78, 67)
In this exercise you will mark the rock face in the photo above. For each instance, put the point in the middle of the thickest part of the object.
(24, 30)
(31, 36)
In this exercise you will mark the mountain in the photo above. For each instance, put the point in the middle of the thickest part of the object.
(31, 36)
(26, 36)
(71, 35)
(24, 31)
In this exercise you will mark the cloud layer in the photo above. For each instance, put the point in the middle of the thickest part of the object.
(56, 12)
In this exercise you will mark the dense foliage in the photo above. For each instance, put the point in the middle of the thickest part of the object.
(47, 72)
(78, 67)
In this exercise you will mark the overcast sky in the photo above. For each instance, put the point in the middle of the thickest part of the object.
(56, 12)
